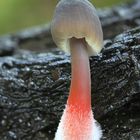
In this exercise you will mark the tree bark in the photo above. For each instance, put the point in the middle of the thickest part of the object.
(34, 85)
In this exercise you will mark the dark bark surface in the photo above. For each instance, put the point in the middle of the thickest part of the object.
(34, 84)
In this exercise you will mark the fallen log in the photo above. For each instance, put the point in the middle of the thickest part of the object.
(34, 87)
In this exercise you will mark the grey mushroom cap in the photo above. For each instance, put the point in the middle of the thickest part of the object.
(79, 19)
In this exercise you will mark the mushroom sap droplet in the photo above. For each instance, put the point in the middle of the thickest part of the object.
(76, 29)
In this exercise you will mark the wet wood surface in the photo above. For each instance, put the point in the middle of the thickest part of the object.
(35, 79)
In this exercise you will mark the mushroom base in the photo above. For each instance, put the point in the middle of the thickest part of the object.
(77, 124)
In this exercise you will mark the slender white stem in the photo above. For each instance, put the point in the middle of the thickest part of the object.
(80, 90)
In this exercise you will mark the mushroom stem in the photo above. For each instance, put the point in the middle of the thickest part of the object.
(80, 89)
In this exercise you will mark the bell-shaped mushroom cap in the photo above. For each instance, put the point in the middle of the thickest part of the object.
(77, 18)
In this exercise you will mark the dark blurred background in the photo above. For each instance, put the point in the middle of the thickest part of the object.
(19, 14)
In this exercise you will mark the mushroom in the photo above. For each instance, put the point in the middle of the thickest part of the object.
(76, 28)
